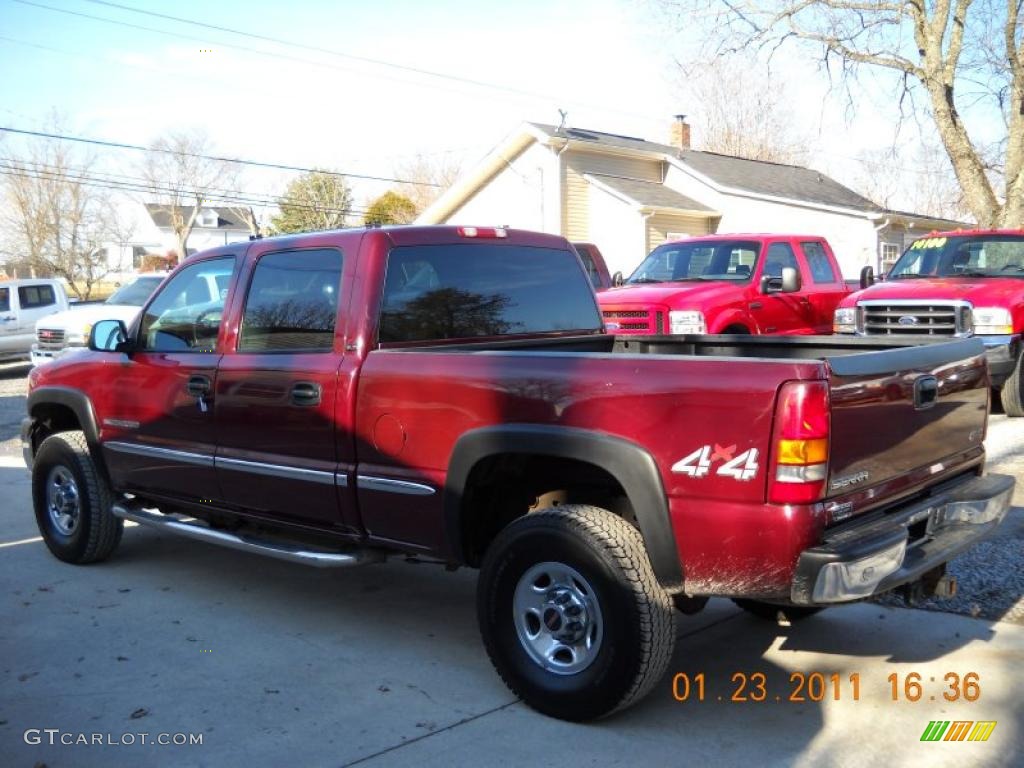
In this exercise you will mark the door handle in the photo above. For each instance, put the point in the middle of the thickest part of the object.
(755, 305)
(198, 386)
(305, 393)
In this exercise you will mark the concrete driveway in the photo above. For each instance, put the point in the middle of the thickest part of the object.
(277, 664)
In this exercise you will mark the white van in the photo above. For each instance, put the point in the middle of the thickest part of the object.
(22, 304)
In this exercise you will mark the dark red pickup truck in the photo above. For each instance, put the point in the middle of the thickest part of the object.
(450, 393)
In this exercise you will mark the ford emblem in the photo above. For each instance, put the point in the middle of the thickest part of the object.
(907, 320)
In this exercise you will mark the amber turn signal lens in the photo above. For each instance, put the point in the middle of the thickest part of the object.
(813, 451)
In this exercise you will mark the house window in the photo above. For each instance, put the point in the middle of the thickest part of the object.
(890, 252)
(138, 254)
(207, 218)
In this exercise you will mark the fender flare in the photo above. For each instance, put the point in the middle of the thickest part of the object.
(630, 464)
(79, 404)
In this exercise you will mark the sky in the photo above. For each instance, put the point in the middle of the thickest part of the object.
(365, 102)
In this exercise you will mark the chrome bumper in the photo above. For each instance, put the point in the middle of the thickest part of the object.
(860, 560)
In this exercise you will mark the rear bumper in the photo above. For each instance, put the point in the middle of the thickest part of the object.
(864, 559)
(1002, 353)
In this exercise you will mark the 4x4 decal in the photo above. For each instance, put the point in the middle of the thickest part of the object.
(698, 464)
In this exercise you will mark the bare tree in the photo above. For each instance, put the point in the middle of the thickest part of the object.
(957, 53)
(428, 177)
(183, 178)
(56, 217)
(249, 217)
(742, 115)
(918, 179)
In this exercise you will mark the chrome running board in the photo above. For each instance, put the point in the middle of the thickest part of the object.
(280, 550)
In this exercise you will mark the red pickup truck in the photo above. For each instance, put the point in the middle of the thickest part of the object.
(449, 393)
(766, 284)
(953, 284)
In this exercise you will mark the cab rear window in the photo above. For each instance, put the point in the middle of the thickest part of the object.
(435, 292)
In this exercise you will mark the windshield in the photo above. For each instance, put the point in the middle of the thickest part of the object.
(136, 292)
(700, 260)
(967, 256)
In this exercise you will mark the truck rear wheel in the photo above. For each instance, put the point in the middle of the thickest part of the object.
(72, 501)
(1011, 394)
(571, 613)
(771, 611)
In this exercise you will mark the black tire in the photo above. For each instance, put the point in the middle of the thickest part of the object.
(95, 532)
(771, 611)
(637, 622)
(1012, 393)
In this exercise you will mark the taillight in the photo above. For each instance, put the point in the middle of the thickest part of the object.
(486, 232)
(800, 443)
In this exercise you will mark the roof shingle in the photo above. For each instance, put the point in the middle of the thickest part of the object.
(758, 177)
(648, 194)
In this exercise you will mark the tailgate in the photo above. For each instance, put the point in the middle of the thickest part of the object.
(903, 409)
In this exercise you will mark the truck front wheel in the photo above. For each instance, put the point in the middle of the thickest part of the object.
(1012, 393)
(72, 501)
(571, 613)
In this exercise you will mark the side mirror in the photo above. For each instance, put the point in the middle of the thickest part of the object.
(867, 277)
(788, 283)
(790, 280)
(617, 279)
(109, 336)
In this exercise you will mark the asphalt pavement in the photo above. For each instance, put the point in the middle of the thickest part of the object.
(269, 663)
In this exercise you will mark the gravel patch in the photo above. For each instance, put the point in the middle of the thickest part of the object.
(13, 390)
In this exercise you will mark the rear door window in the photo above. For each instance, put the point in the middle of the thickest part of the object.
(5, 299)
(34, 296)
(818, 262)
(435, 292)
(292, 302)
(589, 265)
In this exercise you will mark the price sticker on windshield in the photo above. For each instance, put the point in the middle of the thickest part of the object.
(928, 242)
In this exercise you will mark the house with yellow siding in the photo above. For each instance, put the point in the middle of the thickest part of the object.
(628, 195)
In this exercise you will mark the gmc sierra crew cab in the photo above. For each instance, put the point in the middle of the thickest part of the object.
(953, 284)
(450, 393)
(763, 284)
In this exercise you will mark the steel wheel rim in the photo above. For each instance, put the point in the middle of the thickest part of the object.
(557, 618)
(63, 502)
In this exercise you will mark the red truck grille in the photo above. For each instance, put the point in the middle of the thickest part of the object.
(635, 321)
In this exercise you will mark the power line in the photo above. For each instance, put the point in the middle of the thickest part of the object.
(340, 54)
(47, 175)
(144, 184)
(328, 51)
(216, 158)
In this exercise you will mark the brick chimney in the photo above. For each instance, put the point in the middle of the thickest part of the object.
(680, 136)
